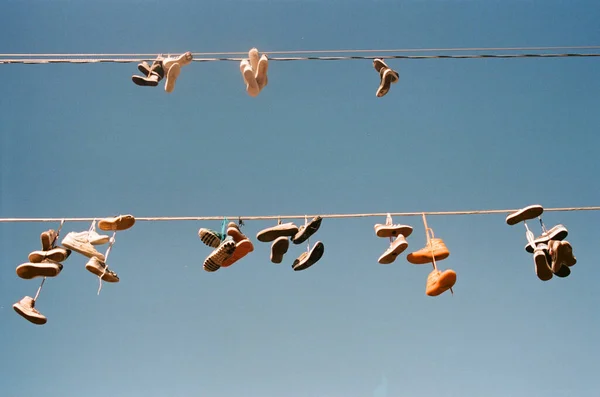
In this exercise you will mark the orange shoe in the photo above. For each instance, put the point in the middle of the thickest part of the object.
(243, 245)
(440, 282)
(425, 255)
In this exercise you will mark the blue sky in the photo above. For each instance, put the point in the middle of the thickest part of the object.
(84, 141)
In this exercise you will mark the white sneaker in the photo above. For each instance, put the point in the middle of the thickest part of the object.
(79, 242)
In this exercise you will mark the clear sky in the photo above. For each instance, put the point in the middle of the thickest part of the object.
(84, 141)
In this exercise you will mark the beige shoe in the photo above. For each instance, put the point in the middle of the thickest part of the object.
(26, 308)
(279, 248)
(261, 72)
(117, 223)
(252, 87)
(48, 238)
(172, 76)
(307, 259)
(98, 239)
(58, 254)
(395, 249)
(98, 268)
(524, 214)
(270, 234)
(46, 268)
(392, 230)
(79, 242)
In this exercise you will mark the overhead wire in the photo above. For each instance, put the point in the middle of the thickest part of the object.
(320, 58)
(304, 216)
(354, 51)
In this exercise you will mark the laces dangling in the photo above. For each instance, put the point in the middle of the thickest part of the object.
(110, 245)
(307, 240)
(388, 222)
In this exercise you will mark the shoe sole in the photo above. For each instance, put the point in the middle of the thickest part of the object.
(209, 238)
(390, 255)
(143, 81)
(46, 241)
(172, 76)
(55, 255)
(386, 231)
(80, 248)
(313, 257)
(279, 248)
(27, 271)
(242, 249)
(560, 233)
(310, 229)
(117, 224)
(386, 83)
(271, 234)
(525, 214)
(443, 284)
(217, 257)
(251, 83)
(99, 271)
(542, 269)
(379, 64)
(261, 72)
(32, 319)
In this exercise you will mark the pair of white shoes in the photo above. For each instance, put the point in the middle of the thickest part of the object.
(254, 71)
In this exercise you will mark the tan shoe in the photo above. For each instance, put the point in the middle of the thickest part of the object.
(425, 255)
(48, 239)
(98, 268)
(385, 231)
(279, 248)
(116, 223)
(270, 234)
(58, 254)
(45, 268)
(439, 282)
(525, 214)
(307, 259)
(26, 308)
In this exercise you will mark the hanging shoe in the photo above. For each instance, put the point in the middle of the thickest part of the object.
(58, 254)
(283, 230)
(45, 268)
(439, 282)
(80, 243)
(97, 239)
(561, 256)
(542, 267)
(248, 74)
(307, 259)
(151, 80)
(214, 261)
(386, 231)
(525, 214)
(210, 238)
(48, 238)
(116, 223)
(558, 232)
(261, 72)
(396, 248)
(279, 248)
(172, 75)
(387, 78)
(243, 245)
(379, 64)
(97, 267)
(305, 231)
(26, 308)
(424, 255)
